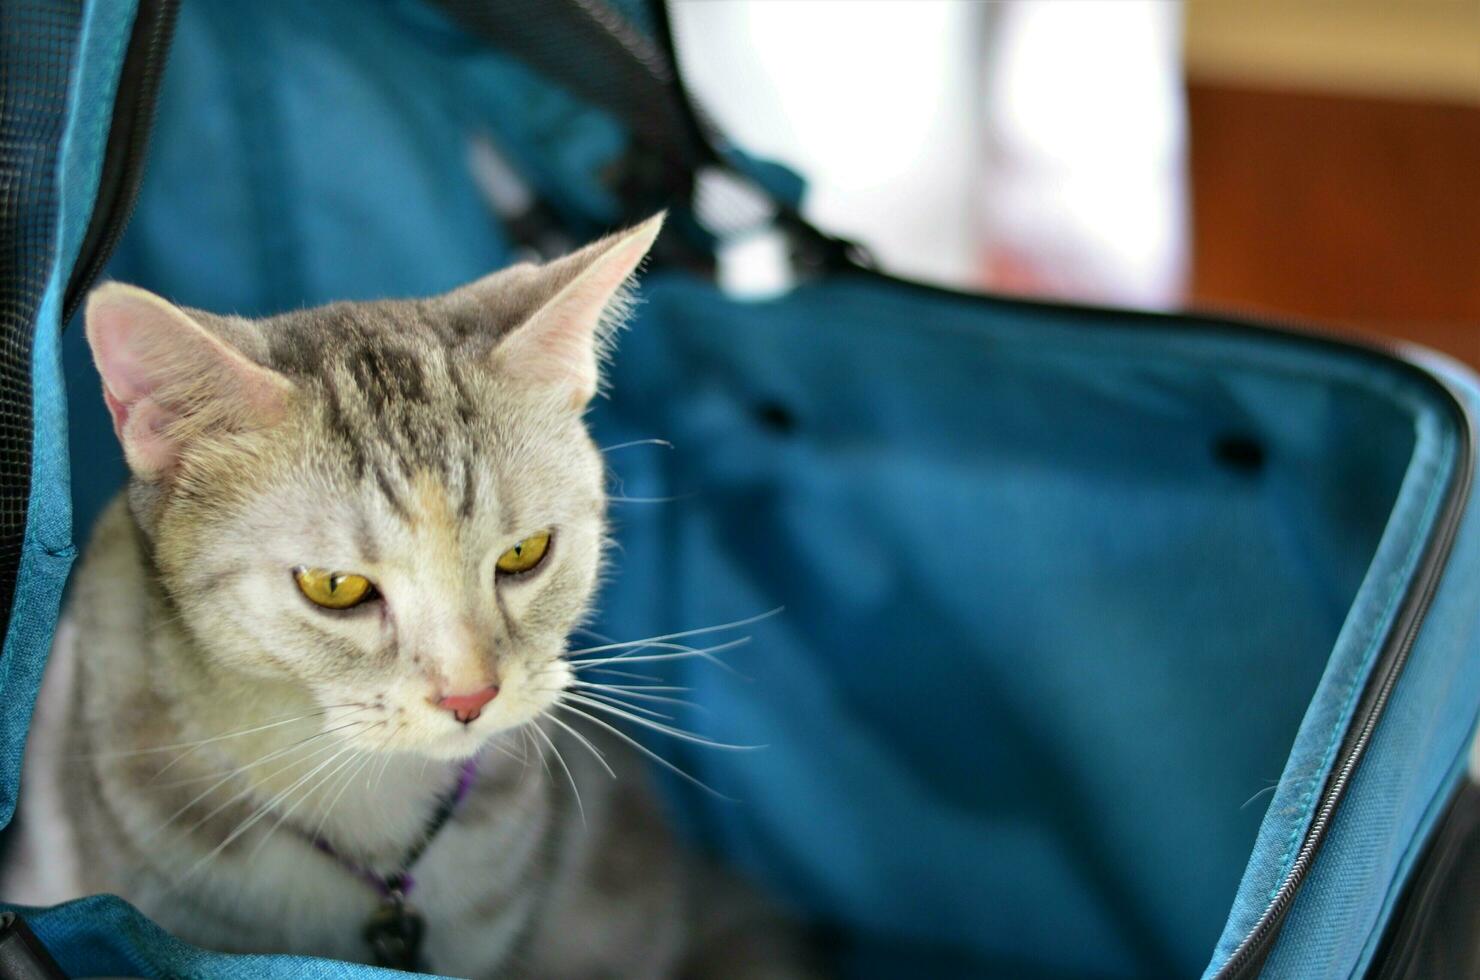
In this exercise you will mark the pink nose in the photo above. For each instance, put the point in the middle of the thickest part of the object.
(466, 707)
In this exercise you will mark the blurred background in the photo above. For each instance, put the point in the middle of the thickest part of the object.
(1313, 159)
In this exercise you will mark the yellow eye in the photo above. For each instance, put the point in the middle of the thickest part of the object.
(333, 590)
(526, 554)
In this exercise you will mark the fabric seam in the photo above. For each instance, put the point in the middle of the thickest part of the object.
(1355, 687)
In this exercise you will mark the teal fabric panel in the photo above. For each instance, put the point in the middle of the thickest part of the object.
(104, 936)
(1329, 716)
(1417, 758)
(48, 551)
(1061, 592)
(1027, 603)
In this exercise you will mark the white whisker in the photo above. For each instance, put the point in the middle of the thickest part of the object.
(184, 755)
(385, 762)
(580, 807)
(173, 783)
(268, 757)
(627, 674)
(523, 746)
(504, 750)
(646, 751)
(262, 811)
(679, 635)
(680, 653)
(669, 730)
(600, 757)
(608, 699)
(122, 753)
(651, 500)
(638, 442)
(307, 794)
(538, 748)
(349, 779)
(617, 695)
(1275, 785)
(344, 784)
(247, 790)
(585, 659)
(671, 688)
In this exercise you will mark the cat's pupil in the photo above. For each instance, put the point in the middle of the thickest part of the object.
(518, 550)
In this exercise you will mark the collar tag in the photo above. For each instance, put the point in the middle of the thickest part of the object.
(394, 932)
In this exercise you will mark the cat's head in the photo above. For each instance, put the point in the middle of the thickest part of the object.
(392, 508)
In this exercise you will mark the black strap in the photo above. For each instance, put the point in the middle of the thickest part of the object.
(591, 50)
(124, 154)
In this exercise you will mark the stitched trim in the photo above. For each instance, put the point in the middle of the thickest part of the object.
(870, 301)
(1355, 688)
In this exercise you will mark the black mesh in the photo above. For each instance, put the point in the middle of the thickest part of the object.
(596, 53)
(37, 41)
(591, 49)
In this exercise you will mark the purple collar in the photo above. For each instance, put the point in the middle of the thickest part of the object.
(394, 930)
(401, 881)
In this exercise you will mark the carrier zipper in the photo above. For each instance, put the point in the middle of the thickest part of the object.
(134, 110)
(1247, 960)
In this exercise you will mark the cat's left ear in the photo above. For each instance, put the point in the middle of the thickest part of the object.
(584, 299)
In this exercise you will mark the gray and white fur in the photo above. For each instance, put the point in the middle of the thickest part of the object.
(202, 720)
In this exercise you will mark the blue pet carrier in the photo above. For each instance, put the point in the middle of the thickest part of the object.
(1114, 645)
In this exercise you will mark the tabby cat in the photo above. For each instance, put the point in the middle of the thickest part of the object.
(317, 643)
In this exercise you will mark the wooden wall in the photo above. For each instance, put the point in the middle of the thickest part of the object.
(1335, 163)
(1342, 208)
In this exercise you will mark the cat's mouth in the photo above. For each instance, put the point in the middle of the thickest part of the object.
(411, 719)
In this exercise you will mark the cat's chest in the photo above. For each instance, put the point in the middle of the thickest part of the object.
(469, 892)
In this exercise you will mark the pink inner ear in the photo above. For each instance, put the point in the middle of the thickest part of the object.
(118, 410)
(143, 345)
(114, 331)
(559, 344)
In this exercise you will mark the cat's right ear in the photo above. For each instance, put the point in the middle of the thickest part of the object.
(167, 380)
